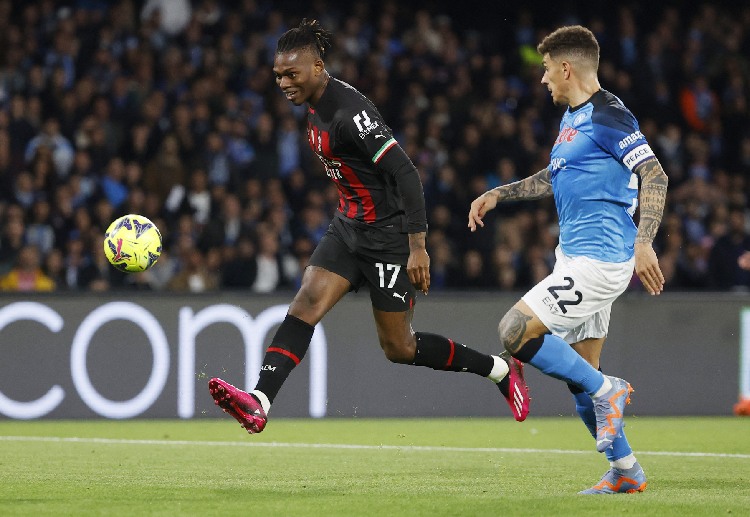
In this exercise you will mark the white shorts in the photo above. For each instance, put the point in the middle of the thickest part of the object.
(575, 300)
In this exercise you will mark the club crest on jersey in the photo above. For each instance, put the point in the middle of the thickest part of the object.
(364, 123)
(567, 134)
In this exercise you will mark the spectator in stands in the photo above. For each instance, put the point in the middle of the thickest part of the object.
(60, 147)
(173, 15)
(473, 273)
(699, 104)
(217, 160)
(27, 274)
(113, 183)
(226, 227)
(288, 144)
(195, 276)
(39, 232)
(24, 192)
(12, 239)
(166, 170)
(275, 268)
(54, 267)
(78, 271)
(240, 266)
(724, 267)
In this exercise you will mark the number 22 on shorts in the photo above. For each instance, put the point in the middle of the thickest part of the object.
(566, 287)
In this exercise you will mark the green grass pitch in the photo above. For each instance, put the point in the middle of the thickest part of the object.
(350, 467)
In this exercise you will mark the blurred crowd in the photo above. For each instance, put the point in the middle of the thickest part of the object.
(169, 109)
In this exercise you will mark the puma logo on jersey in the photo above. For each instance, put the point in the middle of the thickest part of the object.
(379, 135)
(402, 296)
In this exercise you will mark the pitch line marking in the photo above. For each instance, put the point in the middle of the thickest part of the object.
(344, 446)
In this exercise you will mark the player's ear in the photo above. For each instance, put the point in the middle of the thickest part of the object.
(566, 69)
(319, 66)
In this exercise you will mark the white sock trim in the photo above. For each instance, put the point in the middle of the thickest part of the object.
(499, 370)
(624, 463)
(264, 402)
(604, 389)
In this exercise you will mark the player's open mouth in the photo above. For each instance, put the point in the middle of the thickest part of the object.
(289, 95)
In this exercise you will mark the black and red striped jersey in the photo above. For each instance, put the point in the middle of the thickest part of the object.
(348, 135)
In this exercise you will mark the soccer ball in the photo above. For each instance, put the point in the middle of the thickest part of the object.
(132, 243)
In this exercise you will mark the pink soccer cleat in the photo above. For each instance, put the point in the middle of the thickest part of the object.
(515, 390)
(241, 405)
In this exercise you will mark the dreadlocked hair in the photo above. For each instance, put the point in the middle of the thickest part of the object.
(308, 34)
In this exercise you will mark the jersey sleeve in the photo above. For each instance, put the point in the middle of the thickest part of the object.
(616, 131)
(366, 130)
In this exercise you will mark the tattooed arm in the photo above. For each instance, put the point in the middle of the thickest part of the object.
(653, 195)
(533, 187)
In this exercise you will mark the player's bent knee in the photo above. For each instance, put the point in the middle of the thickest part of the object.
(310, 305)
(512, 330)
(306, 300)
(401, 353)
(306, 310)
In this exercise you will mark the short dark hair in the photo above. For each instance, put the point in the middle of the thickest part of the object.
(572, 41)
(308, 34)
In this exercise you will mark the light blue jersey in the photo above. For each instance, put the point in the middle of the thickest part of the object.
(596, 191)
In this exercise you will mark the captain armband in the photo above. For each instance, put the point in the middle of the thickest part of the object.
(637, 156)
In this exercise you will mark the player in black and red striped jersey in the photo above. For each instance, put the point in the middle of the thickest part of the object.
(377, 238)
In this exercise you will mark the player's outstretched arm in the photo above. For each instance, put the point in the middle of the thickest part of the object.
(536, 186)
(653, 195)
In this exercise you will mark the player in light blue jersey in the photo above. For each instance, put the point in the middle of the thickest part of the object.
(597, 162)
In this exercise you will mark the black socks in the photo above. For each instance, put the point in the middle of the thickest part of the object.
(288, 347)
(440, 353)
